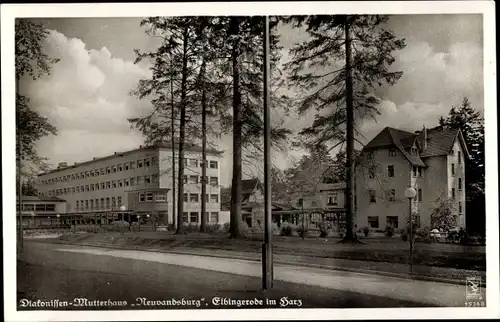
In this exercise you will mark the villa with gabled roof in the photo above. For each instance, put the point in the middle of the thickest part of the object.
(432, 161)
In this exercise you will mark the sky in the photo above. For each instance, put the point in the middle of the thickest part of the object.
(87, 96)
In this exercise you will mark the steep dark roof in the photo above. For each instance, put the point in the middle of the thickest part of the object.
(40, 198)
(439, 141)
(248, 185)
(390, 137)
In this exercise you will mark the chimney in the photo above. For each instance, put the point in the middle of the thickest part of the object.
(424, 141)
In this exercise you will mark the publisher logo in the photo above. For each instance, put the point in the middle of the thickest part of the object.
(474, 288)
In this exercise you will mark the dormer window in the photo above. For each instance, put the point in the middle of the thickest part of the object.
(392, 152)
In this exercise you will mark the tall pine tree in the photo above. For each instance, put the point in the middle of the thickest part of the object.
(345, 60)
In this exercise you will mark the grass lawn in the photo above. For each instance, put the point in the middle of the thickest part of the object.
(376, 250)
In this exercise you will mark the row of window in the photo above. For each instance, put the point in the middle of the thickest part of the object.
(147, 162)
(417, 172)
(152, 197)
(194, 179)
(194, 217)
(113, 184)
(391, 195)
(38, 207)
(391, 221)
(459, 155)
(194, 198)
(99, 203)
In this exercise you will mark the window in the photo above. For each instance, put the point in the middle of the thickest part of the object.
(391, 194)
(154, 178)
(92, 173)
(453, 169)
(459, 157)
(139, 164)
(185, 197)
(92, 187)
(420, 195)
(373, 221)
(126, 166)
(126, 182)
(193, 163)
(332, 199)
(392, 152)
(96, 186)
(185, 179)
(87, 188)
(132, 181)
(373, 199)
(103, 185)
(97, 204)
(414, 152)
(214, 181)
(73, 190)
(213, 165)
(77, 205)
(139, 180)
(113, 183)
(92, 204)
(160, 197)
(459, 184)
(147, 162)
(193, 179)
(149, 196)
(214, 217)
(108, 170)
(103, 171)
(460, 207)
(452, 152)
(214, 198)
(120, 183)
(420, 171)
(392, 221)
(40, 207)
(108, 184)
(113, 202)
(132, 165)
(102, 203)
(119, 200)
(154, 160)
(50, 207)
(147, 179)
(390, 170)
(453, 193)
(415, 171)
(185, 217)
(120, 167)
(193, 197)
(185, 162)
(78, 189)
(113, 169)
(87, 174)
(86, 204)
(193, 217)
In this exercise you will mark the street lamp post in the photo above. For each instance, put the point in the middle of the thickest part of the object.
(149, 219)
(58, 221)
(33, 217)
(139, 221)
(410, 193)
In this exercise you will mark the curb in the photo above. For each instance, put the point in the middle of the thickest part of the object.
(301, 264)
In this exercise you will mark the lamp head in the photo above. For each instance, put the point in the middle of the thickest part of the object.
(410, 192)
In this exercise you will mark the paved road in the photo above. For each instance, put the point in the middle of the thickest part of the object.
(50, 272)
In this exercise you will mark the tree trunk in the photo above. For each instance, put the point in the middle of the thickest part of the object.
(173, 144)
(235, 218)
(204, 162)
(349, 136)
(182, 133)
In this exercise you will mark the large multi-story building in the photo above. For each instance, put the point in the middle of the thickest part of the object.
(432, 161)
(134, 183)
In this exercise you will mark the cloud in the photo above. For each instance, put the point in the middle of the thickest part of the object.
(87, 98)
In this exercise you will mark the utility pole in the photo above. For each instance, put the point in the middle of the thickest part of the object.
(267, 262)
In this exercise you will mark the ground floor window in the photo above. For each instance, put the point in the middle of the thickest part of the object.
(214, 217)
(193, 217)
(185, 217)
(373, 221)
(392, 221)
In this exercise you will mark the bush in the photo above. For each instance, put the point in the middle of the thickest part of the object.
(425, 236)
(302, 231)
(213, 228)
(191, 228)
(366, 231)
(226, 227)
(323, 230)
(135, 227)
(120, 225)
(286, 231)
(404, 237)
(389, 231)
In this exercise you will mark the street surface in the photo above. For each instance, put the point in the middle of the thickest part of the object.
(62, 272)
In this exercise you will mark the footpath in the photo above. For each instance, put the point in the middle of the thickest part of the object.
(425, 273)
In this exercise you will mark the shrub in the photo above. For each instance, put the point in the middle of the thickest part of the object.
(213, 228)
(134, 227)
(286, 231)
(366, 231)
(191, 228)
(424, 235)
(302, 231)
(389, 231)
(404, 237)
(226, 227)
(120, 225)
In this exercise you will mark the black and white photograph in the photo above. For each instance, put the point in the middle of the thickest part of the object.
(285, 160)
